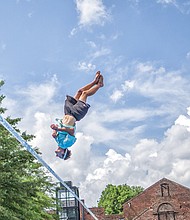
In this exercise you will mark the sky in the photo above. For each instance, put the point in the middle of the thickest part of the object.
(137, 130)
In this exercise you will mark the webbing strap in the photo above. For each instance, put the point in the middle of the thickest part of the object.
(33, 152)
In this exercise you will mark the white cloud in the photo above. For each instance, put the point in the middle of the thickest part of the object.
(112, 144)
(30, 14)
(115, 127)
(76, 168)
(19, 1)
(73, 31)
(117, 95)
(122, 114)
(184, 120)
(91, 12)
(188, 55)
(92, 44)
(147, 162)
(115, 36)
(3, 46)
(114, 165)
(34, 101)
(182, 6)
(10, 105)
(102, 36)
(101, 52)
(128, 85)
(162, 86)
(142, 163)
(41, 94)
(166, 1)
(86, 66)
(154, 82)
(92, 56)
(144, 67)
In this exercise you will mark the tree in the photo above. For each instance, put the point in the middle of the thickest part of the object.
(25, 188)
(113, 197)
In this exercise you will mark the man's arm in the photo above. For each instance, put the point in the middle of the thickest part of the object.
(68, 130)
(71, 131)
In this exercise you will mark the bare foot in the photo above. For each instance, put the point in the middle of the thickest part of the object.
(101, 81)
(97, 77)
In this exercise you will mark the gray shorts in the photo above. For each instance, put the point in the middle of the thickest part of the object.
(76, 108)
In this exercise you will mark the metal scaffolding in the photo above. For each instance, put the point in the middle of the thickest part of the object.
(33, 152)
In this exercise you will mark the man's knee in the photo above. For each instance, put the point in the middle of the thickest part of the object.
(84, 93)
(79, 92)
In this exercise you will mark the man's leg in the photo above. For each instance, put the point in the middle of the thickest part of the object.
(88, 86)
(84, 95)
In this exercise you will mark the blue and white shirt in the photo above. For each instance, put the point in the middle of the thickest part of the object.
(63, 138)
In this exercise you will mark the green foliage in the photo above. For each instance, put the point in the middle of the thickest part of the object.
(113, 197)
(25, 188)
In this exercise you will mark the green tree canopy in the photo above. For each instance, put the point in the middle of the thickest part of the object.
(113, 197)
(25, 188)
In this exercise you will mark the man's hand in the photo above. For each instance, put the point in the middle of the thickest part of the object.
(71, 131)
(54, 127)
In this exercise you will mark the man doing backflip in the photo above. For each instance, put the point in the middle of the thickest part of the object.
(75, 109)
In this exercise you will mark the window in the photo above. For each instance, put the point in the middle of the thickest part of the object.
(63, 203)
(68, 204)
(61, 194)
(71, 213)
(63, 215)
(166, 216)
(166, 212)
(71, 202)
(165, 190)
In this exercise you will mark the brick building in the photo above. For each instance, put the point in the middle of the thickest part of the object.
(164, 200)
(100, 214)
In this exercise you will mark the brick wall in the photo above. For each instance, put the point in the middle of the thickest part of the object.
(165, 195)
(100, 214)
(165, 198)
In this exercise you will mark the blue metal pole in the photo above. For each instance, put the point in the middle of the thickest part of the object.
(33, 152)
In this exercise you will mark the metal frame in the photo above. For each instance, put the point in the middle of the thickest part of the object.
(67, 203)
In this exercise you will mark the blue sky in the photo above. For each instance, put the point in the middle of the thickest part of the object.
(137, 129)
